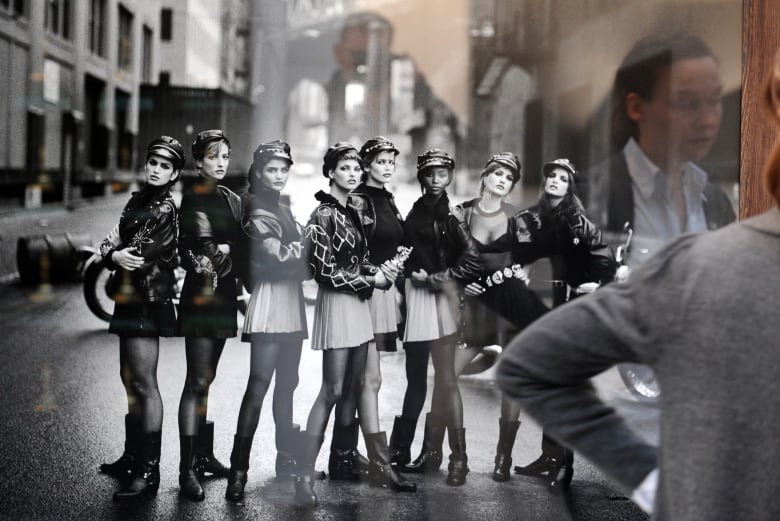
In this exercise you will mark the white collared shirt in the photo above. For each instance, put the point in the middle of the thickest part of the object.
(655, 216)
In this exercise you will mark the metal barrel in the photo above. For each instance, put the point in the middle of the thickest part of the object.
(46, 259)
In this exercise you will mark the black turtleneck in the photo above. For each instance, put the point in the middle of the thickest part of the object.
(420, 233)
(388, 229)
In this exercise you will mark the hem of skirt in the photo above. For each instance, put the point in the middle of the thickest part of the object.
(208, 334)
(270, 337)
(386, 342)
(151, 334)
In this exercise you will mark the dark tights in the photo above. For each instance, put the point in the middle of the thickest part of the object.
(138, 368)
(266, 358)
(342, 380)
(417, 356)
(446, 401)
(202, 358)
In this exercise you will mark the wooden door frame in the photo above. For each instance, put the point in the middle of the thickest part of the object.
(758, 131)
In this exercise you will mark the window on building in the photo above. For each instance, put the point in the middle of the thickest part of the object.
(146, 55)
(57, 18)
(97, 27)
(125, 50)
(165, 78)
(17, 8)
(166, 25)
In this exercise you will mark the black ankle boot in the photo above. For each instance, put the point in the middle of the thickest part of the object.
(401, 441)
(306, 454)
(430, 457)
(381, 473)
(507, 431)
(458, 467)
(343, 463)
(189, 486)
(123, 467)
(239, 467)
(555, 465)
(146, 472)
(285, 451)
(205, 461)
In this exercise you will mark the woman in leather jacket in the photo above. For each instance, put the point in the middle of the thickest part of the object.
(337, 253)
(444, 257)
(275, 320)
(383, 228)
(141, 250)
(556, 228)
(210, 227)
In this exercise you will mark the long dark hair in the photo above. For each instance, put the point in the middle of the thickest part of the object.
(569, 204)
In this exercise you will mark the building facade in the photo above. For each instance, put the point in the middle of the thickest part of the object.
(69, 108)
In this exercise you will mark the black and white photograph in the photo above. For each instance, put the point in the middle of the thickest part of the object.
(379, 260)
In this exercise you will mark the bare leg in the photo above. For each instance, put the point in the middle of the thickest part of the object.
(369, 397)
(334, 368)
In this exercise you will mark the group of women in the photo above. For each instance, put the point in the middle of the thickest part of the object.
(456, 271)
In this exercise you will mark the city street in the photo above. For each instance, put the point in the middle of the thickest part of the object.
(63, 406)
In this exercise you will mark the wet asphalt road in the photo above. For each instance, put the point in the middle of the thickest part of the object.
(63, 403)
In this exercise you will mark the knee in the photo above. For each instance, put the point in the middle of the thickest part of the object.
(372, 382)
(142, 387)
(333, 394)
(198, 385)
(288, 382)
(258, 385)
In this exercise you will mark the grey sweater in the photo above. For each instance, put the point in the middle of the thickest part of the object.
(704, 314)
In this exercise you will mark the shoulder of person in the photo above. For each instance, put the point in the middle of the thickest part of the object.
(260, 223)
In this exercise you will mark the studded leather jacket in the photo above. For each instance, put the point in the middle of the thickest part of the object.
(573, 243)
(150, 224)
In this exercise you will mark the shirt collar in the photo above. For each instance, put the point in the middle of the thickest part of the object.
(644, 172)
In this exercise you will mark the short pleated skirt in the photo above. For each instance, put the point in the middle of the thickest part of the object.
(207, 312)
(385, 316)
(429, 315)
(340, 320)
(147, 319)
(275, 310)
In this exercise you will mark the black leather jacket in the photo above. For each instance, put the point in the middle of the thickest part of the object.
(336, 248)
(573, 243)
(447, 252)
(210, 216)
(149, 222)
(274, 240)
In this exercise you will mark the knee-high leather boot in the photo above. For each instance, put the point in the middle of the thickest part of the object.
(555, 465)
(123, 467)
(239, 467)
(507, 431)
(401, 440)
(430, 457)
(205, 461)
(380, 472)
(458, 467)
(189, 486)
(146, 471)
(344, 461)
(308, 448)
